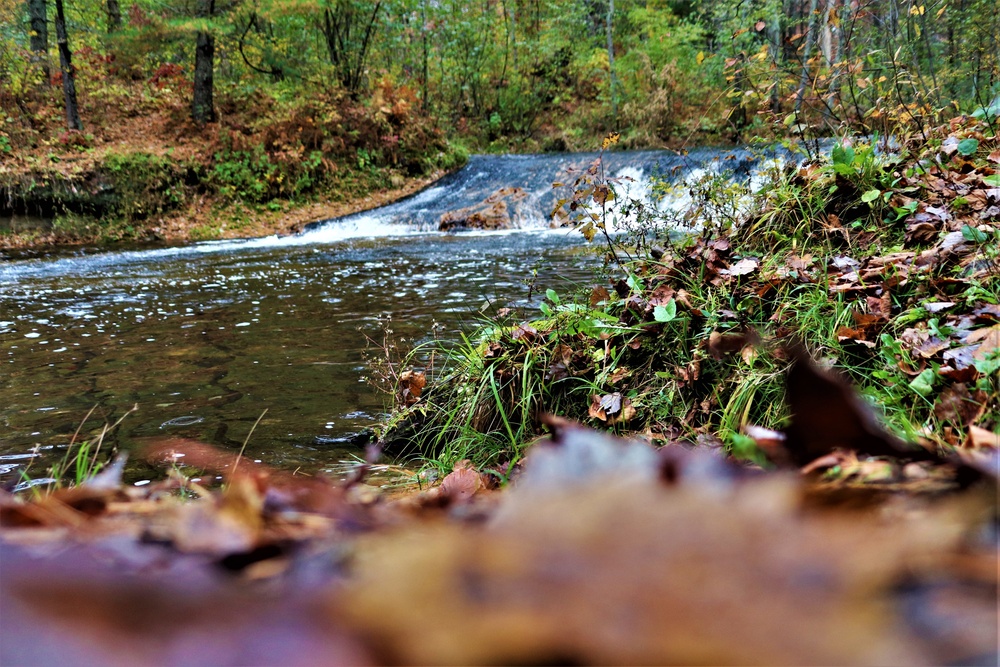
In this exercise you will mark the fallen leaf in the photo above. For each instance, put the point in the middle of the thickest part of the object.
(596, 411)
(611, 403)
(990, 342)
(981, 438)
(742, 267)
(961, 357)
(938, 306)
(720, 344)
(827, 415)
(957, 405)
(411, 385)
(598, 296)
(462, 482)
(685, 574)
(524, 332)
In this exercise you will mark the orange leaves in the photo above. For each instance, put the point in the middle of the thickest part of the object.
(610, 140)
(411, 385)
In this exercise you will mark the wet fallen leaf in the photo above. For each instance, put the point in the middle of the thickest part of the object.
(462, 482)
(827, 414)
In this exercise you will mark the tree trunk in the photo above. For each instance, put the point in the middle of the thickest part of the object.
(609, 26)
(114, 16)
(424, 99)
(810, 41)
(775, 36)
(68, 78)
(202, 107)
(39, 34)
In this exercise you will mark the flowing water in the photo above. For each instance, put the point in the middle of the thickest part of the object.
(203, 338)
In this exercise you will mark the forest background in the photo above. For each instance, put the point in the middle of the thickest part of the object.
(162, 119)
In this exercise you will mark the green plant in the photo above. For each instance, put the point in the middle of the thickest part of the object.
(78, 463)
(143, 185)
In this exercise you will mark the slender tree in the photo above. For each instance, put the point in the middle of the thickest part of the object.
(66, 65)
(202, 106)
(425, 56)
(807, 53)
(348, 29)
(114, 15)
(609, 26)
(38, 16)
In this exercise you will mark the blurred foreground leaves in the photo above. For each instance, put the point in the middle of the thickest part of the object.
(601, 551)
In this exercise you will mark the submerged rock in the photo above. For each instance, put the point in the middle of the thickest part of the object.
(498, 211)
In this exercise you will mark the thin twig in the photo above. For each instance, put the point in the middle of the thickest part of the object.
(80, 427)
(100, 439)
(243, 448)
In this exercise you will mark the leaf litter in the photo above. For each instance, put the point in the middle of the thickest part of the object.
(600, 551)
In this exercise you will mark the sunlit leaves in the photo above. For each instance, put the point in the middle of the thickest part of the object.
(870, 195)
(923, 384)
(665, 313)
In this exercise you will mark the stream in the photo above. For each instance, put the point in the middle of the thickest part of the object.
(204, 338)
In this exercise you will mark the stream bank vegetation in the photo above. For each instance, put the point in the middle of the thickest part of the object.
(193, 120)
(878, 256)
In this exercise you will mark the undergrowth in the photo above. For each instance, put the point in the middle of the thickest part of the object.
(880, 257)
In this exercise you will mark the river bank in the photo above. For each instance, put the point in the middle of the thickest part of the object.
(209, 220)
(142, 171)
(882, 262)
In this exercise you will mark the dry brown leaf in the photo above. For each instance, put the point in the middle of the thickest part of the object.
(827, 415)
(720, 344)
(981, 438)
(598, 296)
(990, 338)
(957, 405)
(596, 411)
(463, 482)
(411, 385)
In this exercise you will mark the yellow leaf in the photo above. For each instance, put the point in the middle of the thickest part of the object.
(700, 58)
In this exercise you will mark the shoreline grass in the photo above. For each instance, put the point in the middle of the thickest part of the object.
(884, 264)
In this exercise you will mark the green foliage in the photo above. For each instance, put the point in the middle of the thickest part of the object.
(692, 341)
(143, 184)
